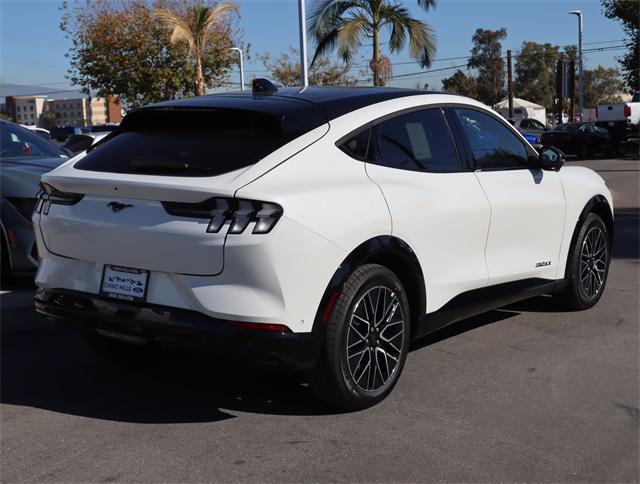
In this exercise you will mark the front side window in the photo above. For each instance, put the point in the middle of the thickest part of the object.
(535, 124)
(493, 145)
(416, 141)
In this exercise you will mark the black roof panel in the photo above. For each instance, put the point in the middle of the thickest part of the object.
(333, 101)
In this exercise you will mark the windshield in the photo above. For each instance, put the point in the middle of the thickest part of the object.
(189, 142)
(566, 127)
(19, 142)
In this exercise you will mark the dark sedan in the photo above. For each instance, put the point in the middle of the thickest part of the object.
(580, 139)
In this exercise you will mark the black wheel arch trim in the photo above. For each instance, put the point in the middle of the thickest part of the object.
(599, 205)
(391, 252)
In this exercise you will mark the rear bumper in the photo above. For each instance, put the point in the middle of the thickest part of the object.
(153, 324)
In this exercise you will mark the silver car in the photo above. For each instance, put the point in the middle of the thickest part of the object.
(24, 157)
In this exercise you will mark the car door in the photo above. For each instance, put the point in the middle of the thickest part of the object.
(437, 205)
(527, 204)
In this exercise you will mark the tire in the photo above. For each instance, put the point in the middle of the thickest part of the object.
(360, 367)
(584, 152)
(587, 266)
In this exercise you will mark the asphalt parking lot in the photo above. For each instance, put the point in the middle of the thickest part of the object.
(524, 393)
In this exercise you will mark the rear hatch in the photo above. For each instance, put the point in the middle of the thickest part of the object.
(114, 205)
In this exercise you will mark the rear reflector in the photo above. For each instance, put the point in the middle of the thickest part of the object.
(273, 328)
(331, 303)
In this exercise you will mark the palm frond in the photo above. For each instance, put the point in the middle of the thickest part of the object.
(325, 14)
(326, 43)
(427, 4)
(422, 42)
(349, 34)
(180, 28)
(397, 17)
(215, 15)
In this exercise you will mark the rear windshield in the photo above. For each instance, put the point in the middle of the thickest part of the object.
(189, 142)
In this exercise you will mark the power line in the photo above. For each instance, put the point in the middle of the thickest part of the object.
(517, 55)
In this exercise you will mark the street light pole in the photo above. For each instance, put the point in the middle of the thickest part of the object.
(240, 55)
(303, 43)
(578, 14)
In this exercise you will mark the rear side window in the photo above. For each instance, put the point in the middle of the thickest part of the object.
(494, 146)
(189, 142)
(357, 145)
(416, 141)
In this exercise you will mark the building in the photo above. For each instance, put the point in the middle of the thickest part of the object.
(81, 111)
(27, 109)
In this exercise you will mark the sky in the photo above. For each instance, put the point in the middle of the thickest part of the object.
(32, 47)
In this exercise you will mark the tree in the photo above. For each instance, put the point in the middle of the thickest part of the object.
(486, 58)
(602, 86)
(323, 72)
(47, 119)
(119, 48)
(461, 83)
(344, 23)
(535, 69)
(628, 12)
(196, 27)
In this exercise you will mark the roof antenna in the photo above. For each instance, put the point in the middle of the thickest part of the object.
(263, 87)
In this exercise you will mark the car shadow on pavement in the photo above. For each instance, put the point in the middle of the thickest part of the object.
(50, 367)
(626, 238)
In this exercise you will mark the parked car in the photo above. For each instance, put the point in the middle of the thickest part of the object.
(531, 129)
(579, 139)
(43, 133)
(81, 142)
(24, 156)
(321, 230)
(622, 121)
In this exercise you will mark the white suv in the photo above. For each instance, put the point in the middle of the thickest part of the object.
(320, 229)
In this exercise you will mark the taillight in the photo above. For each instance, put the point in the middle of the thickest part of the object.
(238, 212)
(49, 195)
(627, 110)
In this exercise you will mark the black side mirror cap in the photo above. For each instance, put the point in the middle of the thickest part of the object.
(551, 158)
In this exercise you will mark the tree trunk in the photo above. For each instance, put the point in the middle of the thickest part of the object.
(376, 56)
(199, 75)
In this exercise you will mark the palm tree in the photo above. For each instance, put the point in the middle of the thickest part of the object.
(345, 22)
(194, 27)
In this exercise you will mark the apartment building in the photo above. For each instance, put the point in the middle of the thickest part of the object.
(83, 111)
(28, 109)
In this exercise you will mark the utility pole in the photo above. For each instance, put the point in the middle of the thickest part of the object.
(239, 51)
(303, 43)
(510, 83)
(571, 83)
(578, 13)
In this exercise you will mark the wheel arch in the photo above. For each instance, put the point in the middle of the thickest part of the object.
(599, 205)
(390, 252)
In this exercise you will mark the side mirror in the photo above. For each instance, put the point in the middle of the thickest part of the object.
(551, 158)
